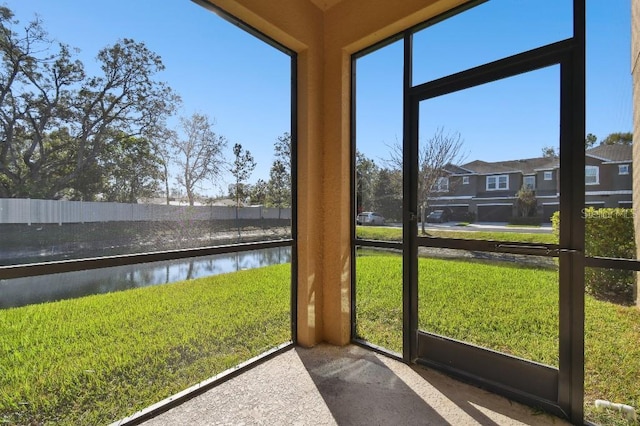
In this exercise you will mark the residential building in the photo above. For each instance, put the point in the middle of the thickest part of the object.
(488, 190)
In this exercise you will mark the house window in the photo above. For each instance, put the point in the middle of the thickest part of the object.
(548, 175)
(623, 169)
(591, 175)
(465, 180)
(495, 183)
(529, 182)
(441, 185)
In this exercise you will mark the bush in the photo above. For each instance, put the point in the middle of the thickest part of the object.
(608, 233)
(464, 216)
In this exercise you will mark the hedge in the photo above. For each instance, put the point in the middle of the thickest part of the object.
(609, 232)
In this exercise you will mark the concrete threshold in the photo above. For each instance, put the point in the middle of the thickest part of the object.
(329, 385)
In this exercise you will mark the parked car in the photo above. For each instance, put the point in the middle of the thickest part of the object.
(437, 216)
(370, 218)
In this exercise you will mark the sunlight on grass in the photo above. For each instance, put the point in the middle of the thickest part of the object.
(96, 359)
(512, 309)
(502, 307)
(612, 358)
(379, 299)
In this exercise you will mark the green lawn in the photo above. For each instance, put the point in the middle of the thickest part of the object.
(509, 308)
(96, 359)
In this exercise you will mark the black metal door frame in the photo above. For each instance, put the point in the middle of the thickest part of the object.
(560, 390)
(556, 390)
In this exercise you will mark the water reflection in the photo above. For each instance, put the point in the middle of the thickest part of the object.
(69, 285)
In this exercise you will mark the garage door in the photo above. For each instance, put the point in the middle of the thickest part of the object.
(495, 213)
(548, 210)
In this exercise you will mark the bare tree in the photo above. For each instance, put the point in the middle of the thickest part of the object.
(435, 156)
(198, 154)
(162, 145)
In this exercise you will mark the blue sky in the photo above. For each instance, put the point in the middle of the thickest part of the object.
(509, 119)
(245, 84)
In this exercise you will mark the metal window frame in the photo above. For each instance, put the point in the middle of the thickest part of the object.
(530, 177)
(497, 182)
(596, 174)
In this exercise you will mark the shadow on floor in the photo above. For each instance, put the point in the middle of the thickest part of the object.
(329, 385)
(362, 387)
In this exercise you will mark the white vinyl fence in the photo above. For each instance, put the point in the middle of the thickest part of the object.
(28, 211)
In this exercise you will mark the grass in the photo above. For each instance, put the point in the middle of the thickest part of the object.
(509, 308)
(96, 359)
(395, 234)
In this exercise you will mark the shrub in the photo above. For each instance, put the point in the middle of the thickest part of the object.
(464, 216)
(608, 233)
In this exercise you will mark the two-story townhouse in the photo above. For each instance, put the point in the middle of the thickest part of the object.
(489, 190)
(608, 176)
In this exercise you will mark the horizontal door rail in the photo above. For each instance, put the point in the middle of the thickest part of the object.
(548, 250)
(395, 245)
(57, 267)
(522, 380)
(513, 65)
(612, 263)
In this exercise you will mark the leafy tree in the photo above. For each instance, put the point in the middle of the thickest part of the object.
(387, 194)
(549, 152)
(198, 154)
(132, 170)
(526, 202)
(241, 168)
(282, 150)
(366, 176)
(278, 192)
(618, 138)
(590, 140)
(56, 122)
(258, 193)
(279, 186)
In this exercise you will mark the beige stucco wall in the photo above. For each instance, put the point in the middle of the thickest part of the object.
(635, 72)
(324, 41)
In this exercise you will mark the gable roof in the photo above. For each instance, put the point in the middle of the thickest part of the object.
(615, 152)
(525, 166)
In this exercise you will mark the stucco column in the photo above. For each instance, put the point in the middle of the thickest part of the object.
(311, 209)
(336, 192)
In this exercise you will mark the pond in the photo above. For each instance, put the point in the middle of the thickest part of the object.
(48, 288)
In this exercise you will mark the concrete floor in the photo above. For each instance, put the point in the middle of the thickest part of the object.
(330, 385)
